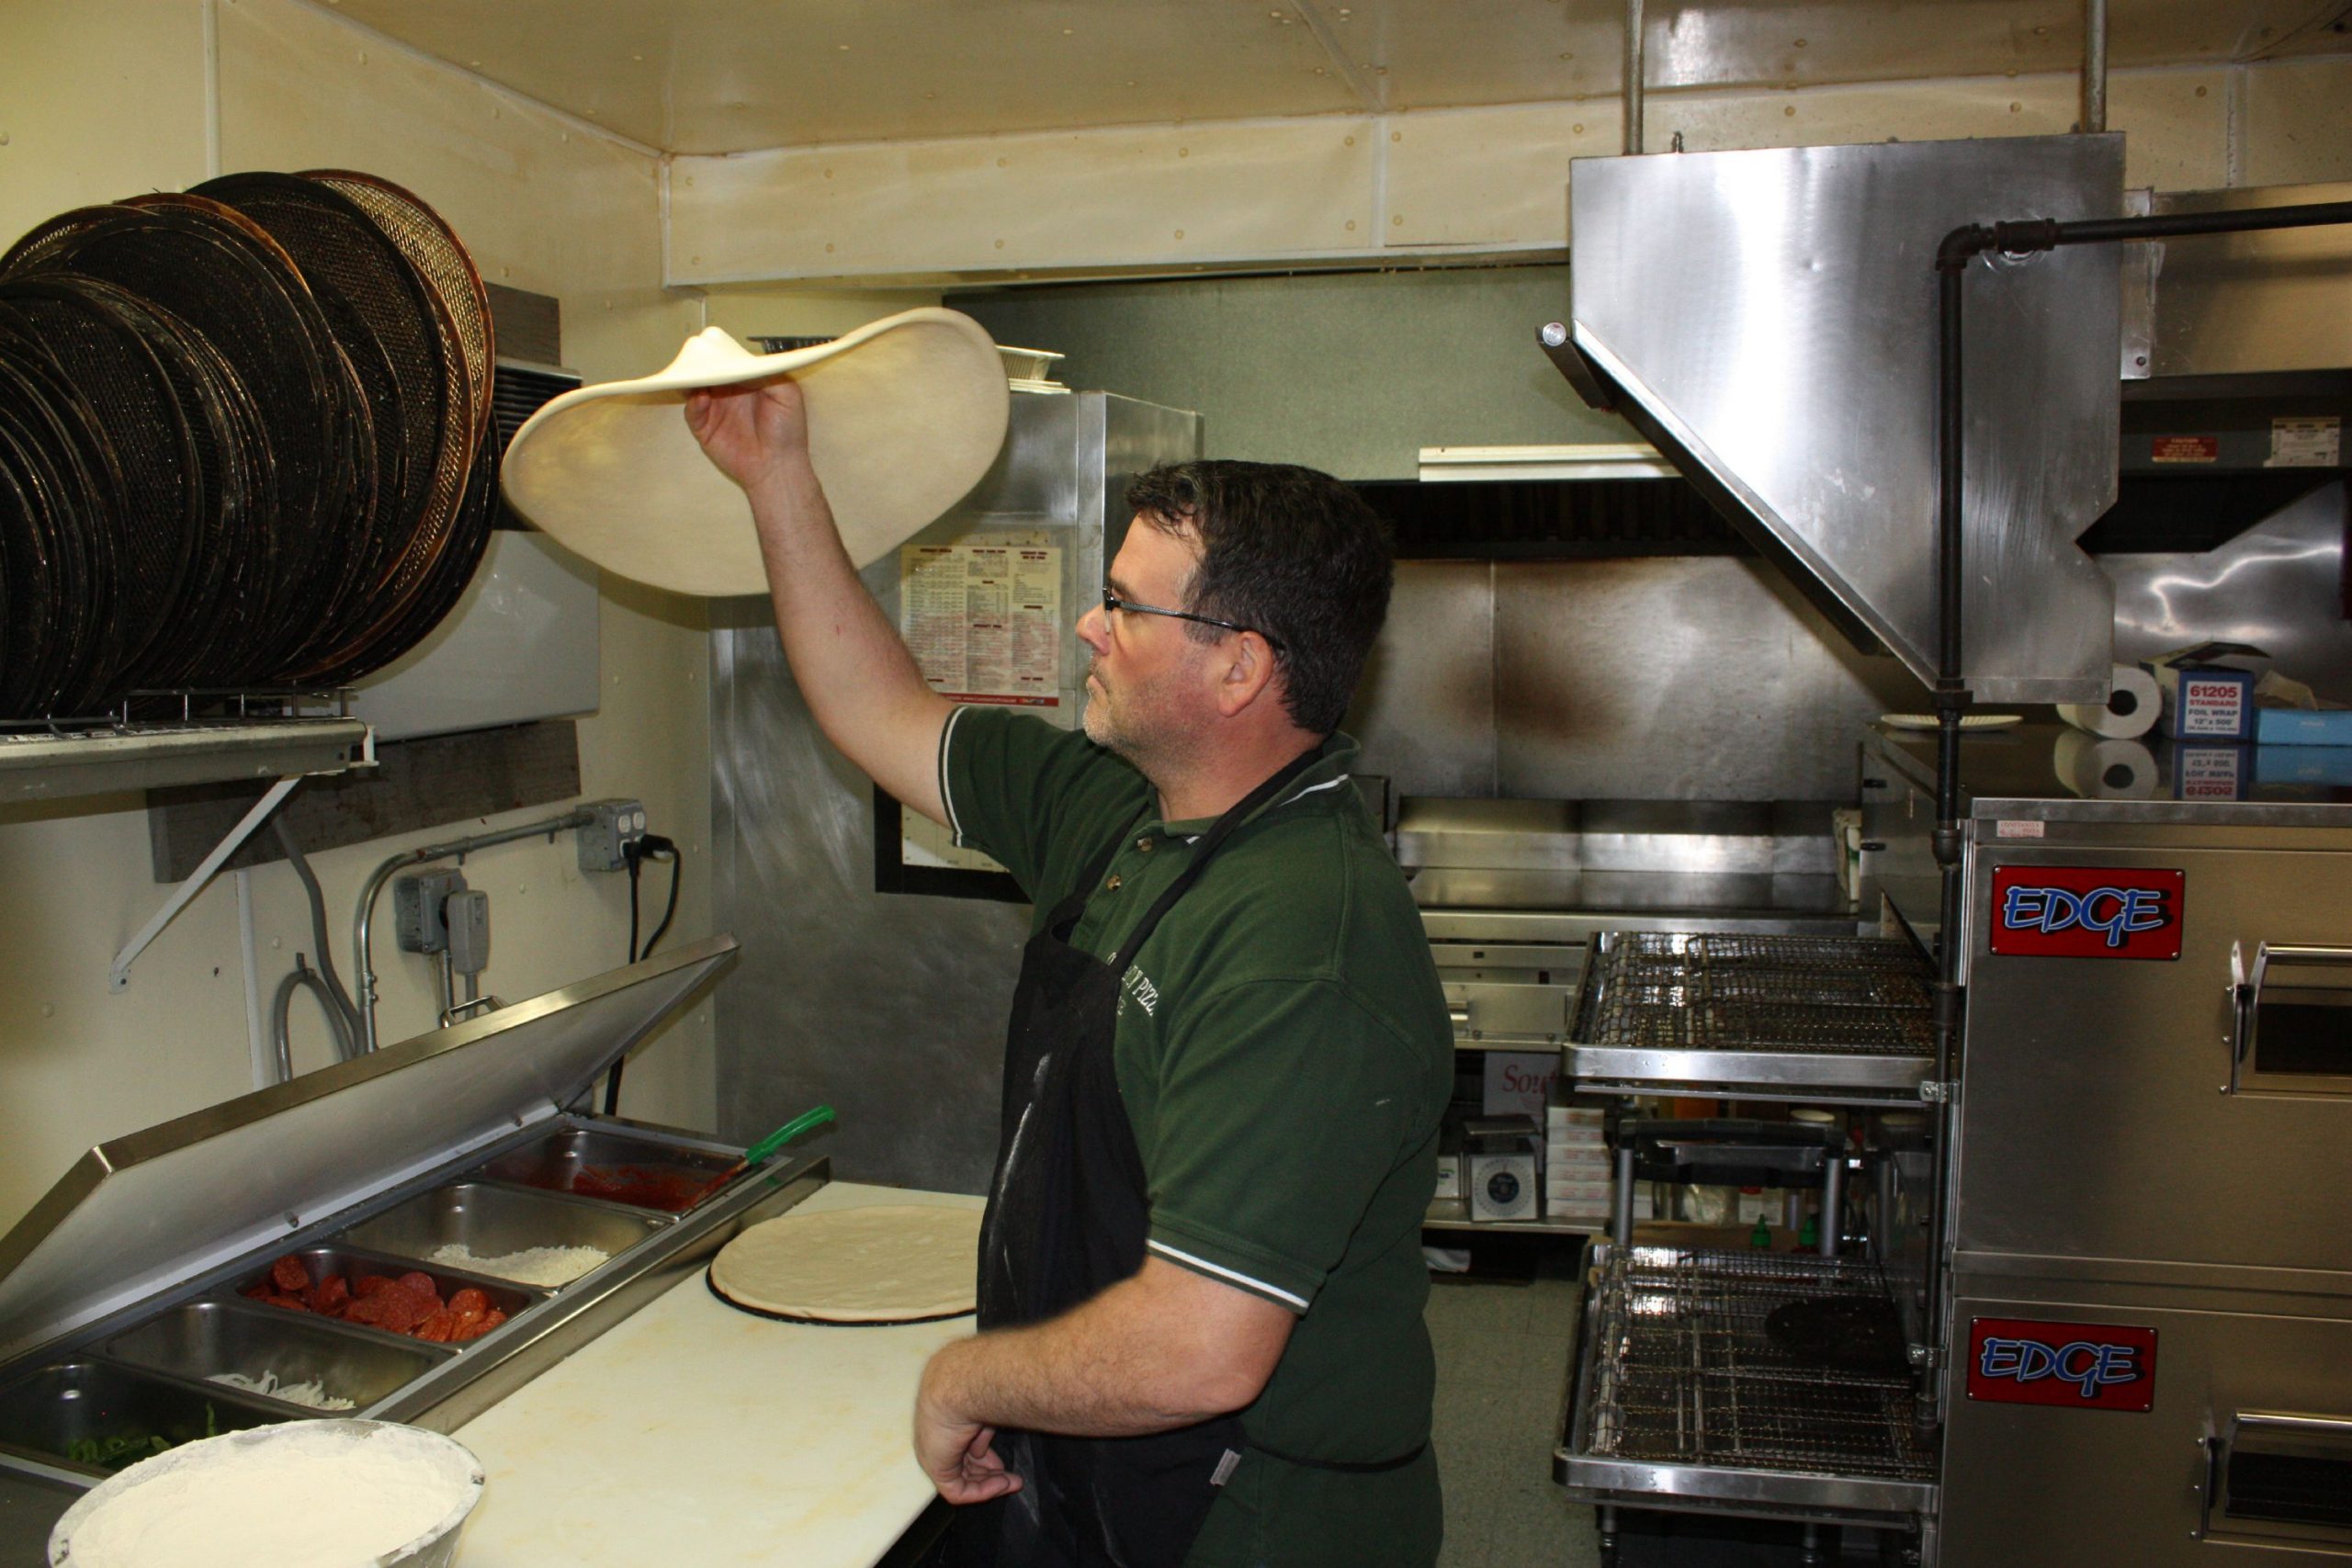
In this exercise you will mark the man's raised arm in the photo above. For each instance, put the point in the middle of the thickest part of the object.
(858, 678)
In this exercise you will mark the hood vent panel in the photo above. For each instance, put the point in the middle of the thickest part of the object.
(1767, 319)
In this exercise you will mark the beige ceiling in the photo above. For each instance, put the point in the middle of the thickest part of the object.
(729, 75)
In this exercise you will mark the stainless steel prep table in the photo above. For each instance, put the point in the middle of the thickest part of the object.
(122, 1291)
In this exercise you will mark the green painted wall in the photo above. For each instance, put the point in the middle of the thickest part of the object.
(1352, 373)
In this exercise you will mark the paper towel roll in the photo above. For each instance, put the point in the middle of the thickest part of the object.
(2099, 769)
(2130, 711)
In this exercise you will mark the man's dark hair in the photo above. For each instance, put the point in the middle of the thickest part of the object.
(1291, 553)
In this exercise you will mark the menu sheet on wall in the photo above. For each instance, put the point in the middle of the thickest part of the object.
(984, 620)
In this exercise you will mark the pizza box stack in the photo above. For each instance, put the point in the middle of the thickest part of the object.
(1577, 1170)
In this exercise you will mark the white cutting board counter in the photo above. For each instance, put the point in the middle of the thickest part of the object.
(691, 1432)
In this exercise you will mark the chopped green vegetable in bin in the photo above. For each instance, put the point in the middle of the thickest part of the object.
(109, 1452)
(124, 1447)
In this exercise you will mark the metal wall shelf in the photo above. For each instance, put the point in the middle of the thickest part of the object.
(1453, 1215)
(60, 764)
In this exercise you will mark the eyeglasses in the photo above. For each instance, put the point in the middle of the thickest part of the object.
(1111, 601)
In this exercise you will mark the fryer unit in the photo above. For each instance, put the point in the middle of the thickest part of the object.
(121, 1293)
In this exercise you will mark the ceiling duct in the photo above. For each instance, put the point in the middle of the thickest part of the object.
(1767, 320)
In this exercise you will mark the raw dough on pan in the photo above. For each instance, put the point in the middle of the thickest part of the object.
(891, 1263)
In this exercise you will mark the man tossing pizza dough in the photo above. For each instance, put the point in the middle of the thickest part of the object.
(1201, 1283)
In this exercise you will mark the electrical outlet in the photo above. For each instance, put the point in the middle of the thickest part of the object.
(467, 915)
(418, 902)
(618, 823)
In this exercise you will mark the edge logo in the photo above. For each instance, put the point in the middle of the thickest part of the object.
(2086, 912)
(2083, 1366)
(2117, 911)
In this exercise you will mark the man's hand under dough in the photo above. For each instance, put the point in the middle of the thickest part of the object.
(751, 433)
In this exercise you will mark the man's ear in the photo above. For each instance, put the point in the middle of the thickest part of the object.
(1245, 675)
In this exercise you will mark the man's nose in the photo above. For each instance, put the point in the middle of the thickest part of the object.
(1094, 629)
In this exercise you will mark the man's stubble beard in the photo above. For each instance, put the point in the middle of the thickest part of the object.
(1153, 743)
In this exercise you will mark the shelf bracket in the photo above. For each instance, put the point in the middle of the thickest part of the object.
(119, 976)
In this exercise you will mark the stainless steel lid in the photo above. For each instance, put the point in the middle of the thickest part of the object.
(144, 1212)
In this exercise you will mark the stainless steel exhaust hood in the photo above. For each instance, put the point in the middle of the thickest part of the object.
(1767, 320)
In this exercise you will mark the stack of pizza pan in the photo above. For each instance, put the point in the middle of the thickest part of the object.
(246, 441)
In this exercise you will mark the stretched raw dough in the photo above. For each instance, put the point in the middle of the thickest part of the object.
(891, 1263)
(905, 415)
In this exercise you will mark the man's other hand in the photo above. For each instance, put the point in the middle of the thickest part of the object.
(959, 1456)
(751, 433)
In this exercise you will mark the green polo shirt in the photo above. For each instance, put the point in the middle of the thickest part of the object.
(1283, 1051)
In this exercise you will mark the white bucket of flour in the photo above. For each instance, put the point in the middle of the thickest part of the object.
(300, 1495)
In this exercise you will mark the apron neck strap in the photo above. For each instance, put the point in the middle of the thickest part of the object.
(1239, 812)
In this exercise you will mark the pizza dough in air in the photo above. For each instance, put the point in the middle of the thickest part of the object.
(886, 1264)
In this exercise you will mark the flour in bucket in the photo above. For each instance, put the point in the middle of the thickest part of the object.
(300, 1495)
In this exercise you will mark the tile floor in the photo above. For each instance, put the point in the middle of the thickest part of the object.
(1502, 1366)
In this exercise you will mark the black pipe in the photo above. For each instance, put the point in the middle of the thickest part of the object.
(2016, 237)
(2025, 236)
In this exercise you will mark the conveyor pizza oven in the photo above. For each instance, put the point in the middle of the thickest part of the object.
(2150, 1317)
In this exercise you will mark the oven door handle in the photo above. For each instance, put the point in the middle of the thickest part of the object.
(2248, 1501)
(2245, 988)
(2299, 1426)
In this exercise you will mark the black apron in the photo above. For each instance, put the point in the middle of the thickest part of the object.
(1068, 1216)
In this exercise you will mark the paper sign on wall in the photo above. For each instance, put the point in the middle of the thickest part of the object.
(984, 621)
(1519, 1083)
(922, 841)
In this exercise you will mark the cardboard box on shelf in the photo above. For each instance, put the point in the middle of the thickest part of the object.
(2207, 700)
(2302, 726)
(1519, 1083)
(1599, 1211)
(2204, 700)
(2302, 764)
(1559, 1192)
(1564, 1105)
(1595, 1152)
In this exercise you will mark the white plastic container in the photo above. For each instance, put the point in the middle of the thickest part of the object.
(437, 1475)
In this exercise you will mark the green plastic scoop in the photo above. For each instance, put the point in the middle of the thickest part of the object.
(758, 1153)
